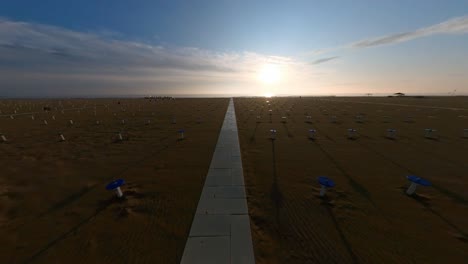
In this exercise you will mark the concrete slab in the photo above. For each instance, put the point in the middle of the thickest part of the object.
(219, 177)
(222, 206)
(207, 250)
(229, 192)
(220, 231)
(211, 225)
(241, 242)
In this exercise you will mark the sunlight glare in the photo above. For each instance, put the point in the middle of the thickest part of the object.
(269, 74)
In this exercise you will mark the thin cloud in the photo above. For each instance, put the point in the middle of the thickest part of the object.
(41, 59)
(323, 60)
(458, 25)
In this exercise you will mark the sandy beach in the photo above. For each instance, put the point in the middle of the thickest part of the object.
(54, 205)
(366, 217)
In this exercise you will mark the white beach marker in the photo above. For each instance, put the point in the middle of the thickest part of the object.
(45, 122)
(32, 117)
(312, 133)
(284, 119)
(391, 133)
(11, 117)
(4, 139)
(352, 133)
(272, 134)
(119, 136)
(308, 119)
(430, 133)
(258, 119)
(360, 118)
(53, 117)
(62, 138)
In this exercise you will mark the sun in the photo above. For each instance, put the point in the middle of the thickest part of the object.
(269, 74)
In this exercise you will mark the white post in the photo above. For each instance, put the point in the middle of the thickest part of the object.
(312, 133)
(323, 189)
(272, 134)
(62, 138)
(119, 192)
(120, 136)
(32, 117)
(4, 139)
(53, 117)
(430, 133)
(411, 188)
(71, 122)
(45, 122)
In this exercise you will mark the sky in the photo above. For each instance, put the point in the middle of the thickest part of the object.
(234, 48)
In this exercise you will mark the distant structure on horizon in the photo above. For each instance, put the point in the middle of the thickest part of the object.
(159, 98)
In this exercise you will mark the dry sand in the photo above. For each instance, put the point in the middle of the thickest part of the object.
(367, 217)
(53, 204)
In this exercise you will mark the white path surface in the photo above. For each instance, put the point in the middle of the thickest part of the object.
(220, 231)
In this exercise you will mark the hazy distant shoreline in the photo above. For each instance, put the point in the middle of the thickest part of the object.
(215, 96)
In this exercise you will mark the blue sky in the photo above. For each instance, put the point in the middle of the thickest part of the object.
(221, 47)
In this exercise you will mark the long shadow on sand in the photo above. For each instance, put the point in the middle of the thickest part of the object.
(77, 195)
(276, 195)
(425, 201)
(454, 196)
(102, 206)
(287, 130)
(327, 205)
(354, 184)
(252, 137)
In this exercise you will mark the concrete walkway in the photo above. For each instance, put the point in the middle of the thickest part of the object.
(220, 231)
